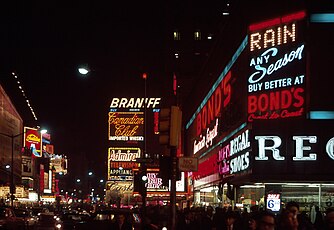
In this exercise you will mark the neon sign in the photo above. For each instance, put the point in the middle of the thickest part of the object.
(153, 181)
(272, 68)
(126, 126)
(219, 99)
(124, 154)
(276, 83)
(134, 102)
(299, 150)
(120, 186)
(207, 140)
(234, 157)
(32, 140)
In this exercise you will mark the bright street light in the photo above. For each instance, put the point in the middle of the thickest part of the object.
(83, 71)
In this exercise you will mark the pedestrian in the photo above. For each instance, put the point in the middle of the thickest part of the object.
(329, 219)
(232, 218)
(121, 223)
(304, 221)
(288, 221)
(319, 220)
(266, 221)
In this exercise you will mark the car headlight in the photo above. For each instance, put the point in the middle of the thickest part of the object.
(58, 226)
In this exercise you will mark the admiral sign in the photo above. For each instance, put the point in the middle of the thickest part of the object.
(121, 162)
(276, 83)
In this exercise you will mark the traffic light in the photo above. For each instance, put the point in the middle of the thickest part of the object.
(139, 182)
(170, 126)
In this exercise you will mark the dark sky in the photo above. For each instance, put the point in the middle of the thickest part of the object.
(45, 42)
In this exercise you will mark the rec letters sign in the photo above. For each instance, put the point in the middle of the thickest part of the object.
(303, 149)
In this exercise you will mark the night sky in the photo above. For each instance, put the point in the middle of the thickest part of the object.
(44, 43)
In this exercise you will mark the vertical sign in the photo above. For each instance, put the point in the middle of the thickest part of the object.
(277, 78)
(32, 140)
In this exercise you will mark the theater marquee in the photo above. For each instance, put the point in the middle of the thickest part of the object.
(277, 78)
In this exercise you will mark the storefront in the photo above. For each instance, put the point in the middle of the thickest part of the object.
(254, 133)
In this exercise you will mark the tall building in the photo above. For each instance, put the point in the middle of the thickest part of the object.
(256, 117)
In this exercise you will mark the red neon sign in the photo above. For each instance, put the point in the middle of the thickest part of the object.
(220, 98)
(276, 21)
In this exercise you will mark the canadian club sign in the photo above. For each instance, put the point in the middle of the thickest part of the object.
(276, 81)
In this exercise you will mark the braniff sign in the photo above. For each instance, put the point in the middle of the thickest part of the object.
(132, 103)
(277, 77)
(126, 126)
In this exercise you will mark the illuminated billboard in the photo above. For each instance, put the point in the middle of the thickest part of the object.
(234, 157)
(33, 141)
(277, 62)
(126, 126)
(293, 150)
(132, 103)
(121, 162)
(59, 164)
(224, 107)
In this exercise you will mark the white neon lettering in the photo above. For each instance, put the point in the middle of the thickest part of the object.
(262, 147)
(330, 148)
(198, 145)
(240, 163)
(134, 102)
(273, 67)
(114, 103)
(300, 148)
(239, 143)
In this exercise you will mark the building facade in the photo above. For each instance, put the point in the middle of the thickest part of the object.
(263, 131)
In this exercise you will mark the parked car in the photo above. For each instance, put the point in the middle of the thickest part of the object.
(75, 220)
(106, 219)
(27, 216)
(48, 221)
(8, 219)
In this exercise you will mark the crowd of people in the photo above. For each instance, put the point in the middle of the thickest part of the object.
(290, 218)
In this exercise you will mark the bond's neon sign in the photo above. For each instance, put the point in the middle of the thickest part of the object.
(207, 140)
(276, 83)
(219, 99)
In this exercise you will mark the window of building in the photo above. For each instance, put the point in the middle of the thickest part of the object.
(176, 36)
(197, 35)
